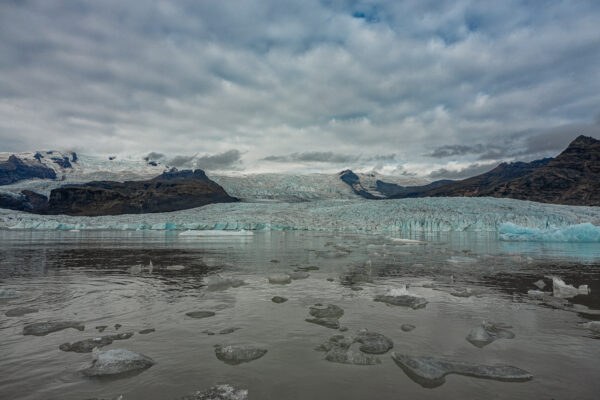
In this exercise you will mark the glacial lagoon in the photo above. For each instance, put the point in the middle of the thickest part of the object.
(282, 314)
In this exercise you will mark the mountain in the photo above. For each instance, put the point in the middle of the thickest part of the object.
(16, 169)
(573, 177)
(171, 191)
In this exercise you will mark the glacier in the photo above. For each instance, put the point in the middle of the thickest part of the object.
(385, 216)
(580, 233)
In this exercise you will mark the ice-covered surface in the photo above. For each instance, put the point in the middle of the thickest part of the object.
(584, 232)
(432, 214)
(248, 187)
(406, 215)
(85, 169)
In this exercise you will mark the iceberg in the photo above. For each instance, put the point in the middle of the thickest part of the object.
(582, 233)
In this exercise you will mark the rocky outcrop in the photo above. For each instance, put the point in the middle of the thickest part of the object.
(14, 170)
(171, 191)
(25, 201)
(353, 181)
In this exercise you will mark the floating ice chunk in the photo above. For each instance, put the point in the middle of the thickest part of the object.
(399, 291)
(176, 267)
(593, 326)
(219, 392)
(238, 354)
(536, 294)
(574, 233)
(349, 356)
(44, 328)
(487, 332)
(540, 284)
(20, 311)
(117, 361)
(406, 241)
(373, 342)
(430, 372)
(564, 291)
(279, 279)
(200, 314)
(413, 302)
(216, 233)
(461, 260)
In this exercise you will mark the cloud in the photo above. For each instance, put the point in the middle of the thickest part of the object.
(302, 79)
(462, 173)
(181, 161)
(154, 156)
(314, 156)
(226, 160)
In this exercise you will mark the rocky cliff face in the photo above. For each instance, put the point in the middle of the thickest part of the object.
(15, 170)
(573, 178)
(171, 191)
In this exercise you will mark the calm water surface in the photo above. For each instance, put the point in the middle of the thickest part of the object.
(95, 277)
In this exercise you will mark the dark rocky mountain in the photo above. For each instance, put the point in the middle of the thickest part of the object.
(25, 201)
(353, 181)
(573, 177)
(14, 170)
(171, 191)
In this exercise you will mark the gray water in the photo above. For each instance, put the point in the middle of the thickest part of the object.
(96, 278)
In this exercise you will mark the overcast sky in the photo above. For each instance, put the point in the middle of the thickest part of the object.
(437, 88)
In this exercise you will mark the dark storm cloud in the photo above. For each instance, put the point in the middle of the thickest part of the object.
(225, 160)
(181, 161)
(154, 156)
(271, 78)
(456, 150)
(471, 170)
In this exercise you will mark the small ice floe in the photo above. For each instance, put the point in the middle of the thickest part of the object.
(373, 342)
(44, 328)
(350, 356)
(215, 283)
(593, 326)
(540, 284)
(200, 314)
(430, 372)
(406, 241)
(488, 332)
(117, 361)
(87, 345)
(564, 291)
(402, 297)
(279, 279)
(461, 260)
(344, 350)
(278, 299)
(536, 294)
(175, 267)
(327, 316)
(407, 327)
(6, 293)
(20, 311)
(219, 392)
(238, 354)
(209, 233)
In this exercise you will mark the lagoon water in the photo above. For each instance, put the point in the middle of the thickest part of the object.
(103, 278)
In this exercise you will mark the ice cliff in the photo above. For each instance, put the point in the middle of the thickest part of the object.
(416, 215)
